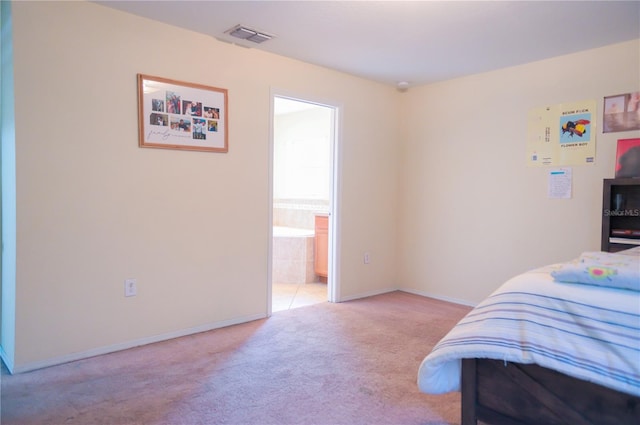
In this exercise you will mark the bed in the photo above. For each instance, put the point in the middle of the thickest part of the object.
(555, 345)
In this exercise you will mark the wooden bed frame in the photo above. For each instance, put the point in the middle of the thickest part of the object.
(495, 392)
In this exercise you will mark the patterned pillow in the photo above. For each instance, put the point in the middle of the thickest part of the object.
(602, 269)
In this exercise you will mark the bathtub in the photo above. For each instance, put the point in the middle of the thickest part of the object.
(291, 232)
(293, 255)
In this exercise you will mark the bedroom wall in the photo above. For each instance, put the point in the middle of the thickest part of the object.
(94, 209)
(473, 213)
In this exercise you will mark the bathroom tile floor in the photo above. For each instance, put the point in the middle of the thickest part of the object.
(293, 295)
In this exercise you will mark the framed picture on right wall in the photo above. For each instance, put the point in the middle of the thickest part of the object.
(628, 158)
(621, 113)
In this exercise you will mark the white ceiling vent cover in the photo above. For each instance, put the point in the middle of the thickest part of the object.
(246, 33)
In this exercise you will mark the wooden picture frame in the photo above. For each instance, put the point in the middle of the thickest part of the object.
(178, 115)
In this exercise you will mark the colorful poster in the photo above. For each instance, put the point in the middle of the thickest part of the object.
(540, 146)
(562, 134)
(628, 158)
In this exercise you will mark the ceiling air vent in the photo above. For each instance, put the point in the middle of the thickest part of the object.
(240, 31)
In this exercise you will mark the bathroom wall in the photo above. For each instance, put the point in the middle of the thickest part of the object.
(298, 213)
(302, 165)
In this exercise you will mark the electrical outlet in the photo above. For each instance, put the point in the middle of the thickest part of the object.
(367, 258)
(130, 288)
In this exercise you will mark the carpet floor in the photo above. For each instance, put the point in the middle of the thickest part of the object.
(327, 364)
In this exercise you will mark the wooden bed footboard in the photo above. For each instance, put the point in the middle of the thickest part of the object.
(495, 392)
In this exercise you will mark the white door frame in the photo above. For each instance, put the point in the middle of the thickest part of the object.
(333, 279)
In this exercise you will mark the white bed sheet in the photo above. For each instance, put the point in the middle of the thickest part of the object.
(588, 332)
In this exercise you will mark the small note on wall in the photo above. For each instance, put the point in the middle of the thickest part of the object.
(560, 183)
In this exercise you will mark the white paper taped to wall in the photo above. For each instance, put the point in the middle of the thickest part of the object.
(560, 183)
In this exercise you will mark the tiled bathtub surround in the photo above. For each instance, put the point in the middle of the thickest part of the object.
(293, 255)
(299, 213)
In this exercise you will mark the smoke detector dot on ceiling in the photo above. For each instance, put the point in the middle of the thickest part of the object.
(402, 85)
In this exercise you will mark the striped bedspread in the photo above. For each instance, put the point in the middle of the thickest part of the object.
(588, 332)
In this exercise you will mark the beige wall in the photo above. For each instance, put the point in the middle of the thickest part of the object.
(94, 209)
(473, 214)
(438, 191)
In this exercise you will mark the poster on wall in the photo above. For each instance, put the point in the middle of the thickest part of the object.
(621, 113)
(178, 115)
(628, 158)
(562, 134)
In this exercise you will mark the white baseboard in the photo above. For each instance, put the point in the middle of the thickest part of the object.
(190, 331)
(129, 344)
(367, 294)
(410, 291)
(439, 297)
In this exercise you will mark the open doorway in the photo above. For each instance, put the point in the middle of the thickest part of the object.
(303, 154)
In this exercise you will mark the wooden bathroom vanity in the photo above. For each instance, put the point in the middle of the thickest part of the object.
(322, 245)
